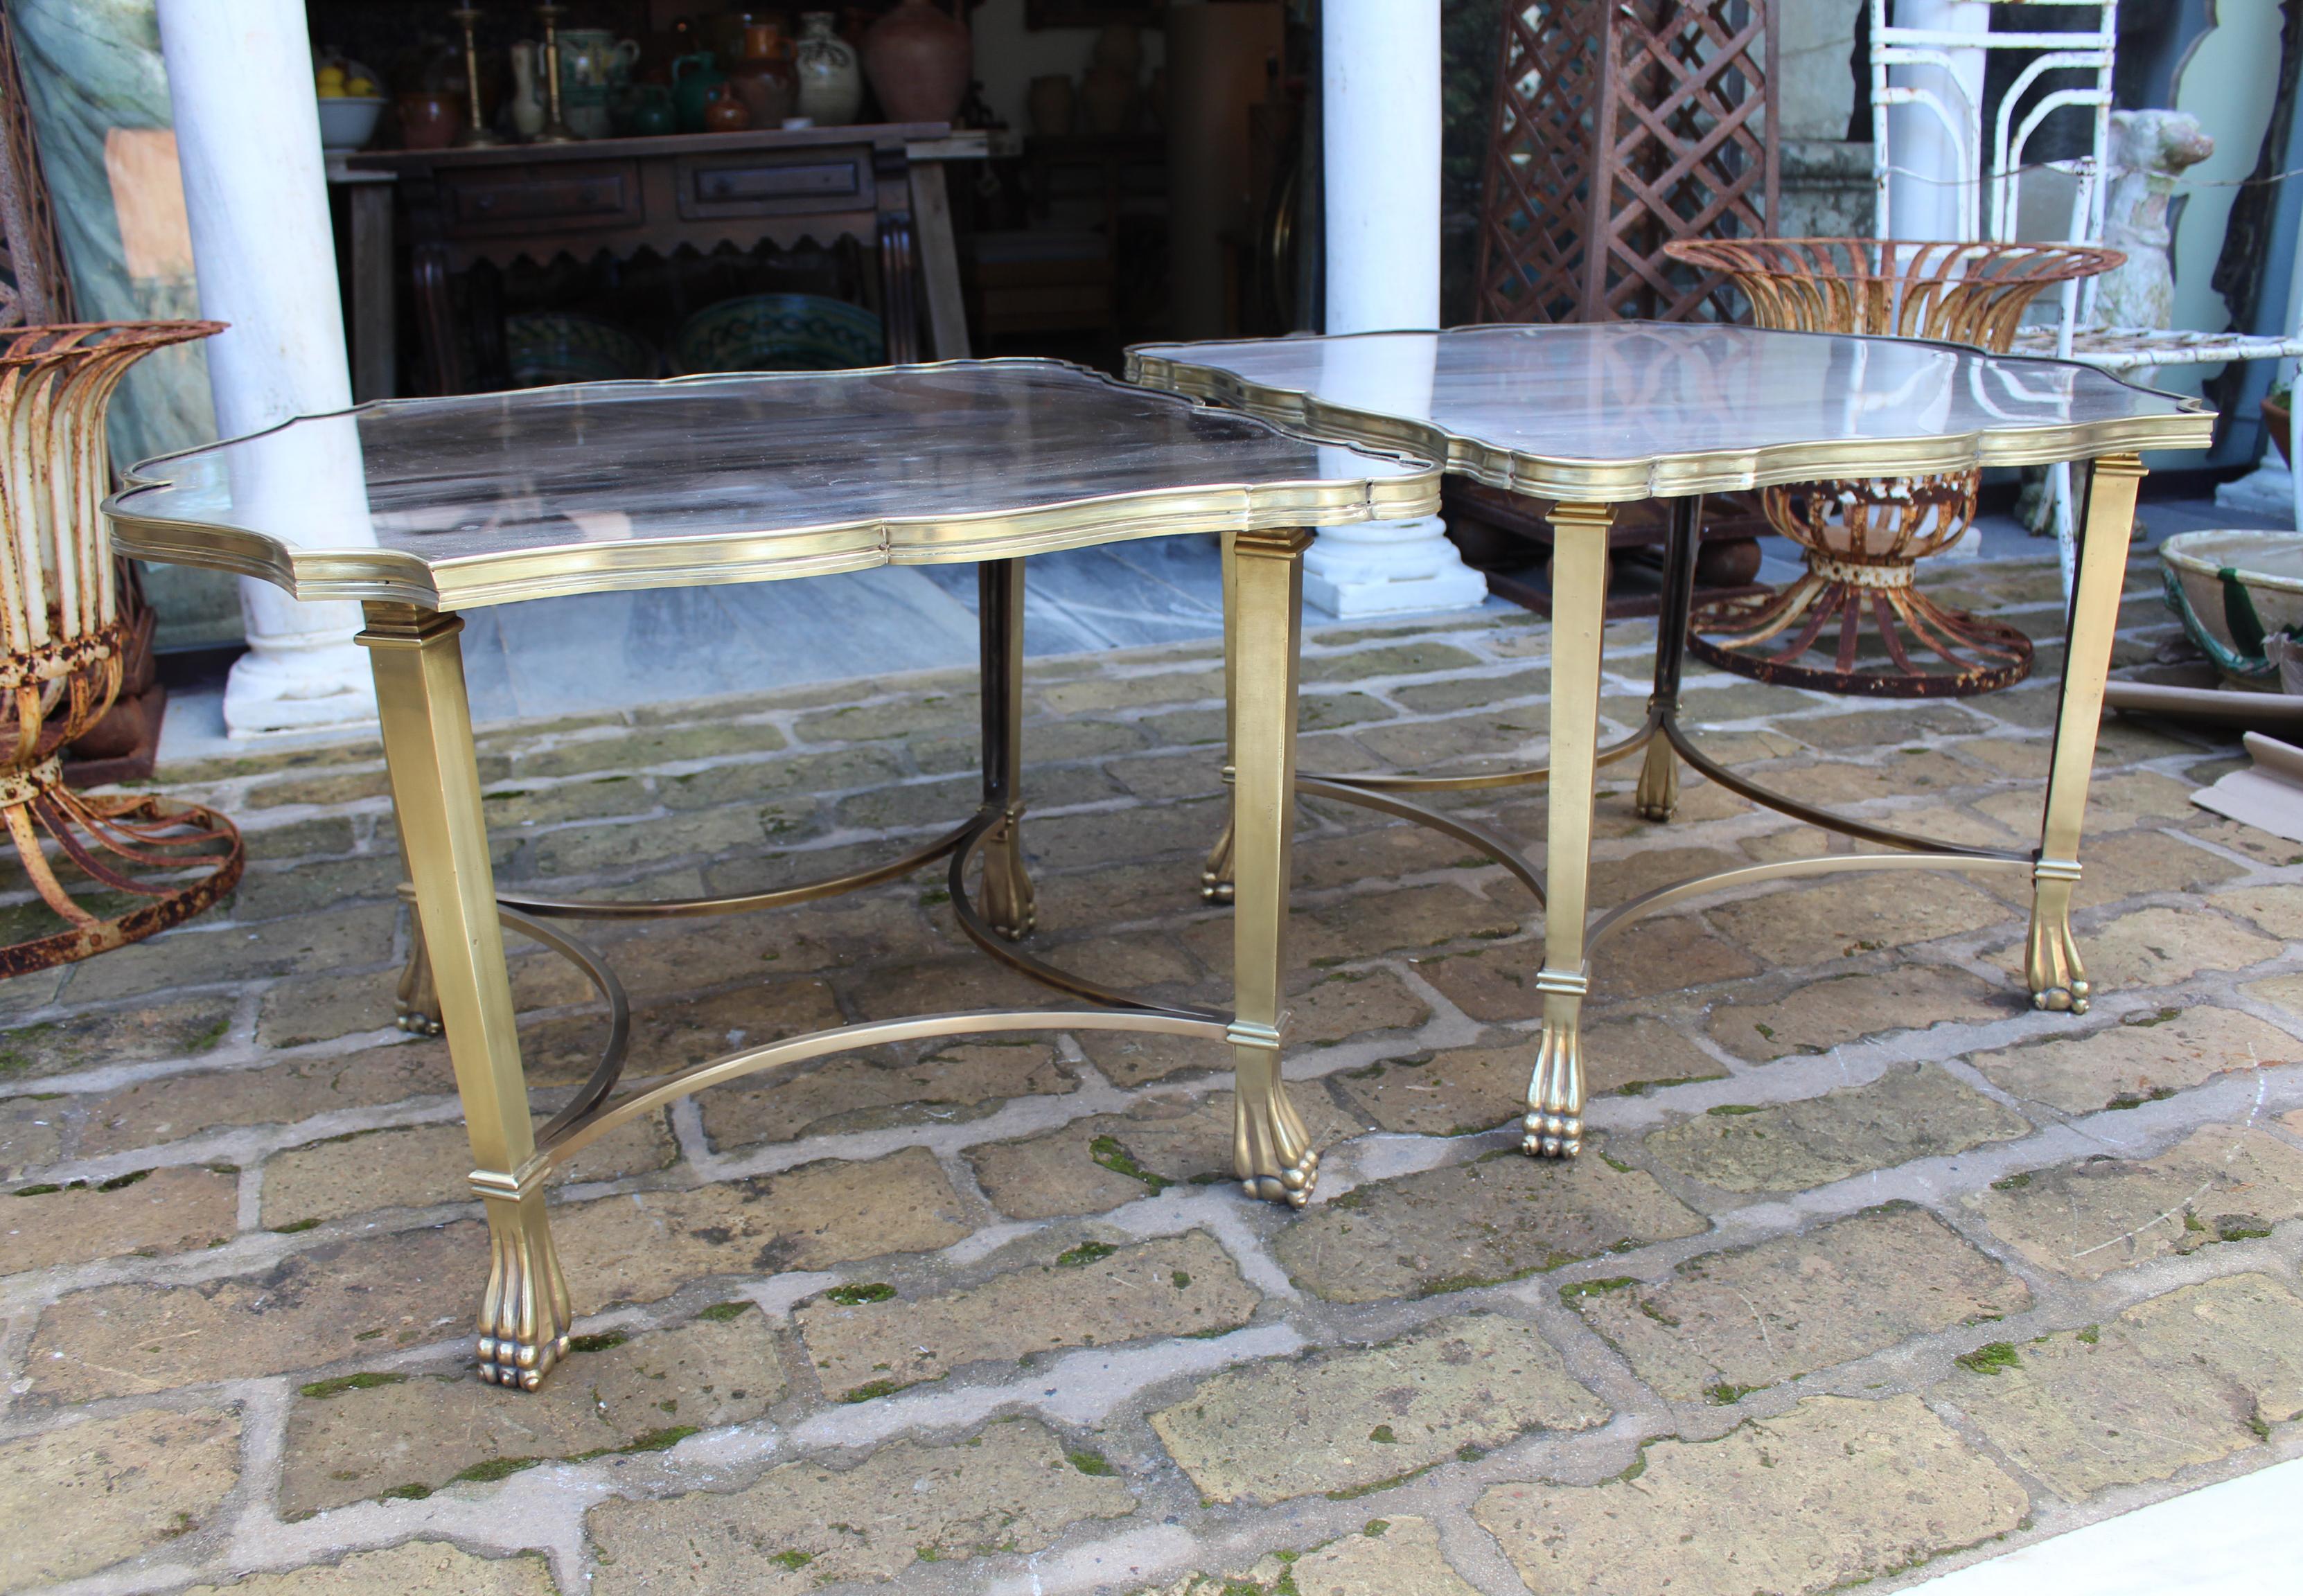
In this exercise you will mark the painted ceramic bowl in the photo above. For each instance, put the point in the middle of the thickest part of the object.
(548, 347)
(779, 332)
(348, 122)
(2233, 589)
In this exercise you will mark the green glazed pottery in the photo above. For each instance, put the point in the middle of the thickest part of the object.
(548, 347)
(779, 332)
(2231, 589)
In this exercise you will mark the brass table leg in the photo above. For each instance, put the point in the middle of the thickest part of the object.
(1658, 794)
(416, 1006)
(2051, 961)
(435, 794)
(1009, 904)
(1578, 597)
(1271, 1152)
(1215, 875)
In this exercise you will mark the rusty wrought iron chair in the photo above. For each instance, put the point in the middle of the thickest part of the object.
(1863, 540)
(122, 867)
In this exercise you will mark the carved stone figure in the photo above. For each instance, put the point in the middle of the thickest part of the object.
(2149, 149)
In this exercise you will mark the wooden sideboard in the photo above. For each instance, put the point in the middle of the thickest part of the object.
(501, 204)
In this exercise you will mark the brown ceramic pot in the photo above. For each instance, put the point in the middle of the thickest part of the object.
(762, 78)
(724, 112)
(2276, 421)
(428, 120)
(919, 61)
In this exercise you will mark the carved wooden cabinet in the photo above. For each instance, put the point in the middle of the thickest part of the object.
(498, 205)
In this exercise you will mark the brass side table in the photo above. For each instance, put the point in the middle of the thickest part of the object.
(1596, 415)
(419, 508)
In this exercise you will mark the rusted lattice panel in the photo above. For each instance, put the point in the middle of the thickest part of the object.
(1619, 128)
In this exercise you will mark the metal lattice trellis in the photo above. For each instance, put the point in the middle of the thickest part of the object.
(1621, 126)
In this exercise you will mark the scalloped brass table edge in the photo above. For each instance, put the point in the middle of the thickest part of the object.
(1666, 475)
(1586, 492)
(456, 970)
(396, 576)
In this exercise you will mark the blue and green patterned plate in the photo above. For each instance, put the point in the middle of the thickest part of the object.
(547, 347)
(777, 332)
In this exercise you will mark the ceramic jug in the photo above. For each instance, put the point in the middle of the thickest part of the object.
(693, 80)
(651, 111)
(831, 79)
(762, 76)
(593, 64)
(724, 111)
(920, 61)
(527, 89)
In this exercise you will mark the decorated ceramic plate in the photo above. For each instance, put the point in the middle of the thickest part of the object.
(548, 347)
(777, 332)
(2232, 589)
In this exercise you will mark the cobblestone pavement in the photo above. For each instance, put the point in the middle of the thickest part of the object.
(1868, 1267)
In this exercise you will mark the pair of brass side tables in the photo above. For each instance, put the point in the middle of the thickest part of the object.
(421, 509)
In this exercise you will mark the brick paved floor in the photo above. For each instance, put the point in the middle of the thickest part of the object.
(1867, 1266)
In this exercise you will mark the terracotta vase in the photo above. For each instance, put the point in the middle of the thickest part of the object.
(919, 61)
(428, 120)
(2277, 420)
(762, 76)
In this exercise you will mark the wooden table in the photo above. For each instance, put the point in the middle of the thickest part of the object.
(880, 184)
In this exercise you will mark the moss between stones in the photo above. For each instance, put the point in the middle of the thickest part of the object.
(1110, 1152)
(322, 1390)
(851, 1296)
(1084, 1253)
(1990, 1359)
(719, 1313)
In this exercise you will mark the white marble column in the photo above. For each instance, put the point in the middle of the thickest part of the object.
(247, 137)
(1932, 191)
(1380, 85)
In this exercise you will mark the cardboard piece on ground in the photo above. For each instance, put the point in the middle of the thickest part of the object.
(2269, 796)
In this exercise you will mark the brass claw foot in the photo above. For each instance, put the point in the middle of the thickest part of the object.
(1554, 1124)
(1292, 1186)
(1009, 904)
(1658, 794)
(2051, 956)
(525, 1316)
(1215, 875)
(1270, 1152)
(1552, 1135)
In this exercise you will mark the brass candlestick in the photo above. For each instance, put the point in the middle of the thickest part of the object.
(556, 131)
(477, 131)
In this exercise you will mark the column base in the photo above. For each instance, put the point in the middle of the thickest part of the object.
(1389, 567)
(298, 689)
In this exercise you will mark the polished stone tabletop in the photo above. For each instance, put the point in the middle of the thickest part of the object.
(1625, 410)
(487, 498)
